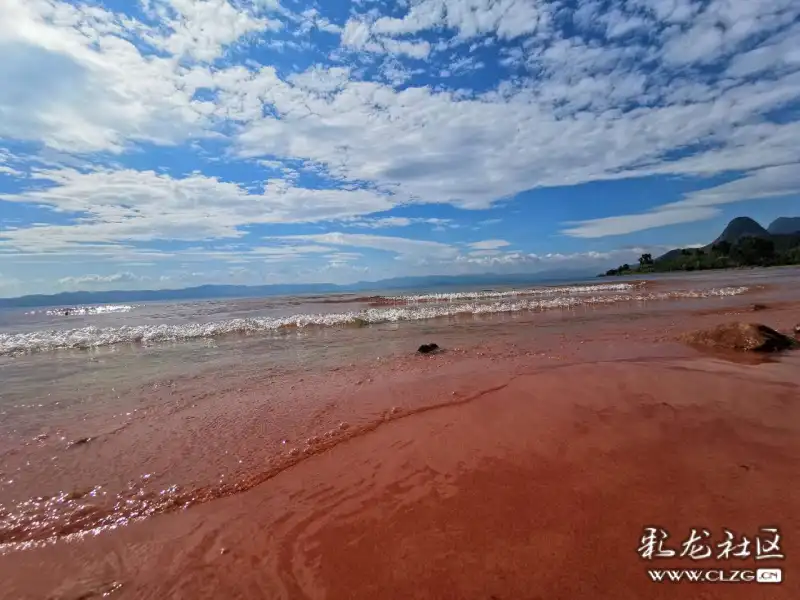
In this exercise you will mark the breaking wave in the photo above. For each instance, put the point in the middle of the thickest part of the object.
(84, 310)
(544, 291)
(93, 337)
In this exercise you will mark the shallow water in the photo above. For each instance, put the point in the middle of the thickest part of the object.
(96, 436)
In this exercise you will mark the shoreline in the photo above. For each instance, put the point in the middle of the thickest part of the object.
(696, 272)
(247, 447)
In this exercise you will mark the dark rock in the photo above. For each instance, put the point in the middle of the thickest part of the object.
(742, 337)
(797, 329)
(756, 307)
(428, 348)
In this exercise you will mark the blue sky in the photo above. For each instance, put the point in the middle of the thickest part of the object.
(170, 143)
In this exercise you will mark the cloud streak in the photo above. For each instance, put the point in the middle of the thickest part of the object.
(771, 182)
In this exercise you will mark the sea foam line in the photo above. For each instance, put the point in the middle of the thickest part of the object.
(93, 337)
(84, 310)
(545, 291)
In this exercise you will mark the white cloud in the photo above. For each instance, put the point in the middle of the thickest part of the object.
(770, 182)
(91, 280)
(719, 27)
(384, 222)
(5, 169)
(395, 73)
(73, 81)
(356, 34)
(321, 80)
(202, 28)
(489, 245)
(509, 19)
(403, 246)
(563, 132)
(781, 51)
(461, 66)
(127, 205)
(419, 50)
(312, 18)
(561, 128)
(623, 224)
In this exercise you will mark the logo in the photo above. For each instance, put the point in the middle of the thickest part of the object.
(769, 575)
(699, 545)
(737, 550)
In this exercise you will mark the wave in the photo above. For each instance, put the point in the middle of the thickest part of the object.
(83, 310)
(94, 337)
(489, 294)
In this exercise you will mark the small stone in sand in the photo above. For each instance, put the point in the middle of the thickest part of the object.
(428, 348)
(343, 425)
(742, 337)
(79, 442)
(756, 307)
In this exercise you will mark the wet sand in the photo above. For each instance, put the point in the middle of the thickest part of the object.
(511, 469)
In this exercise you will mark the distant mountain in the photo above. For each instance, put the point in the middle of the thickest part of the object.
(245, 291)
(784, 226)
(193, 293)
(741, 227)
(485, 279)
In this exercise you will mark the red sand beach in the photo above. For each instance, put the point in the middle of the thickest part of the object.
(516, 468)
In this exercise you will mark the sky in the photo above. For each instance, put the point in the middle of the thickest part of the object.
(172, 143)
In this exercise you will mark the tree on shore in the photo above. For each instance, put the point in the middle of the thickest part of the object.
(722, 248)
(753, 251)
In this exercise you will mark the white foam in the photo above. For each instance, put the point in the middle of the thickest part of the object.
(92, 337)
(90, 310)
(544, 291)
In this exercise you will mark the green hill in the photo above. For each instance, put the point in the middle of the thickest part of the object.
(784, 226)
(743, 243)
(742, 227)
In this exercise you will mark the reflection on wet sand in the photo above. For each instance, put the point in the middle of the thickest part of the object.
(523, 465)
(538, 489)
